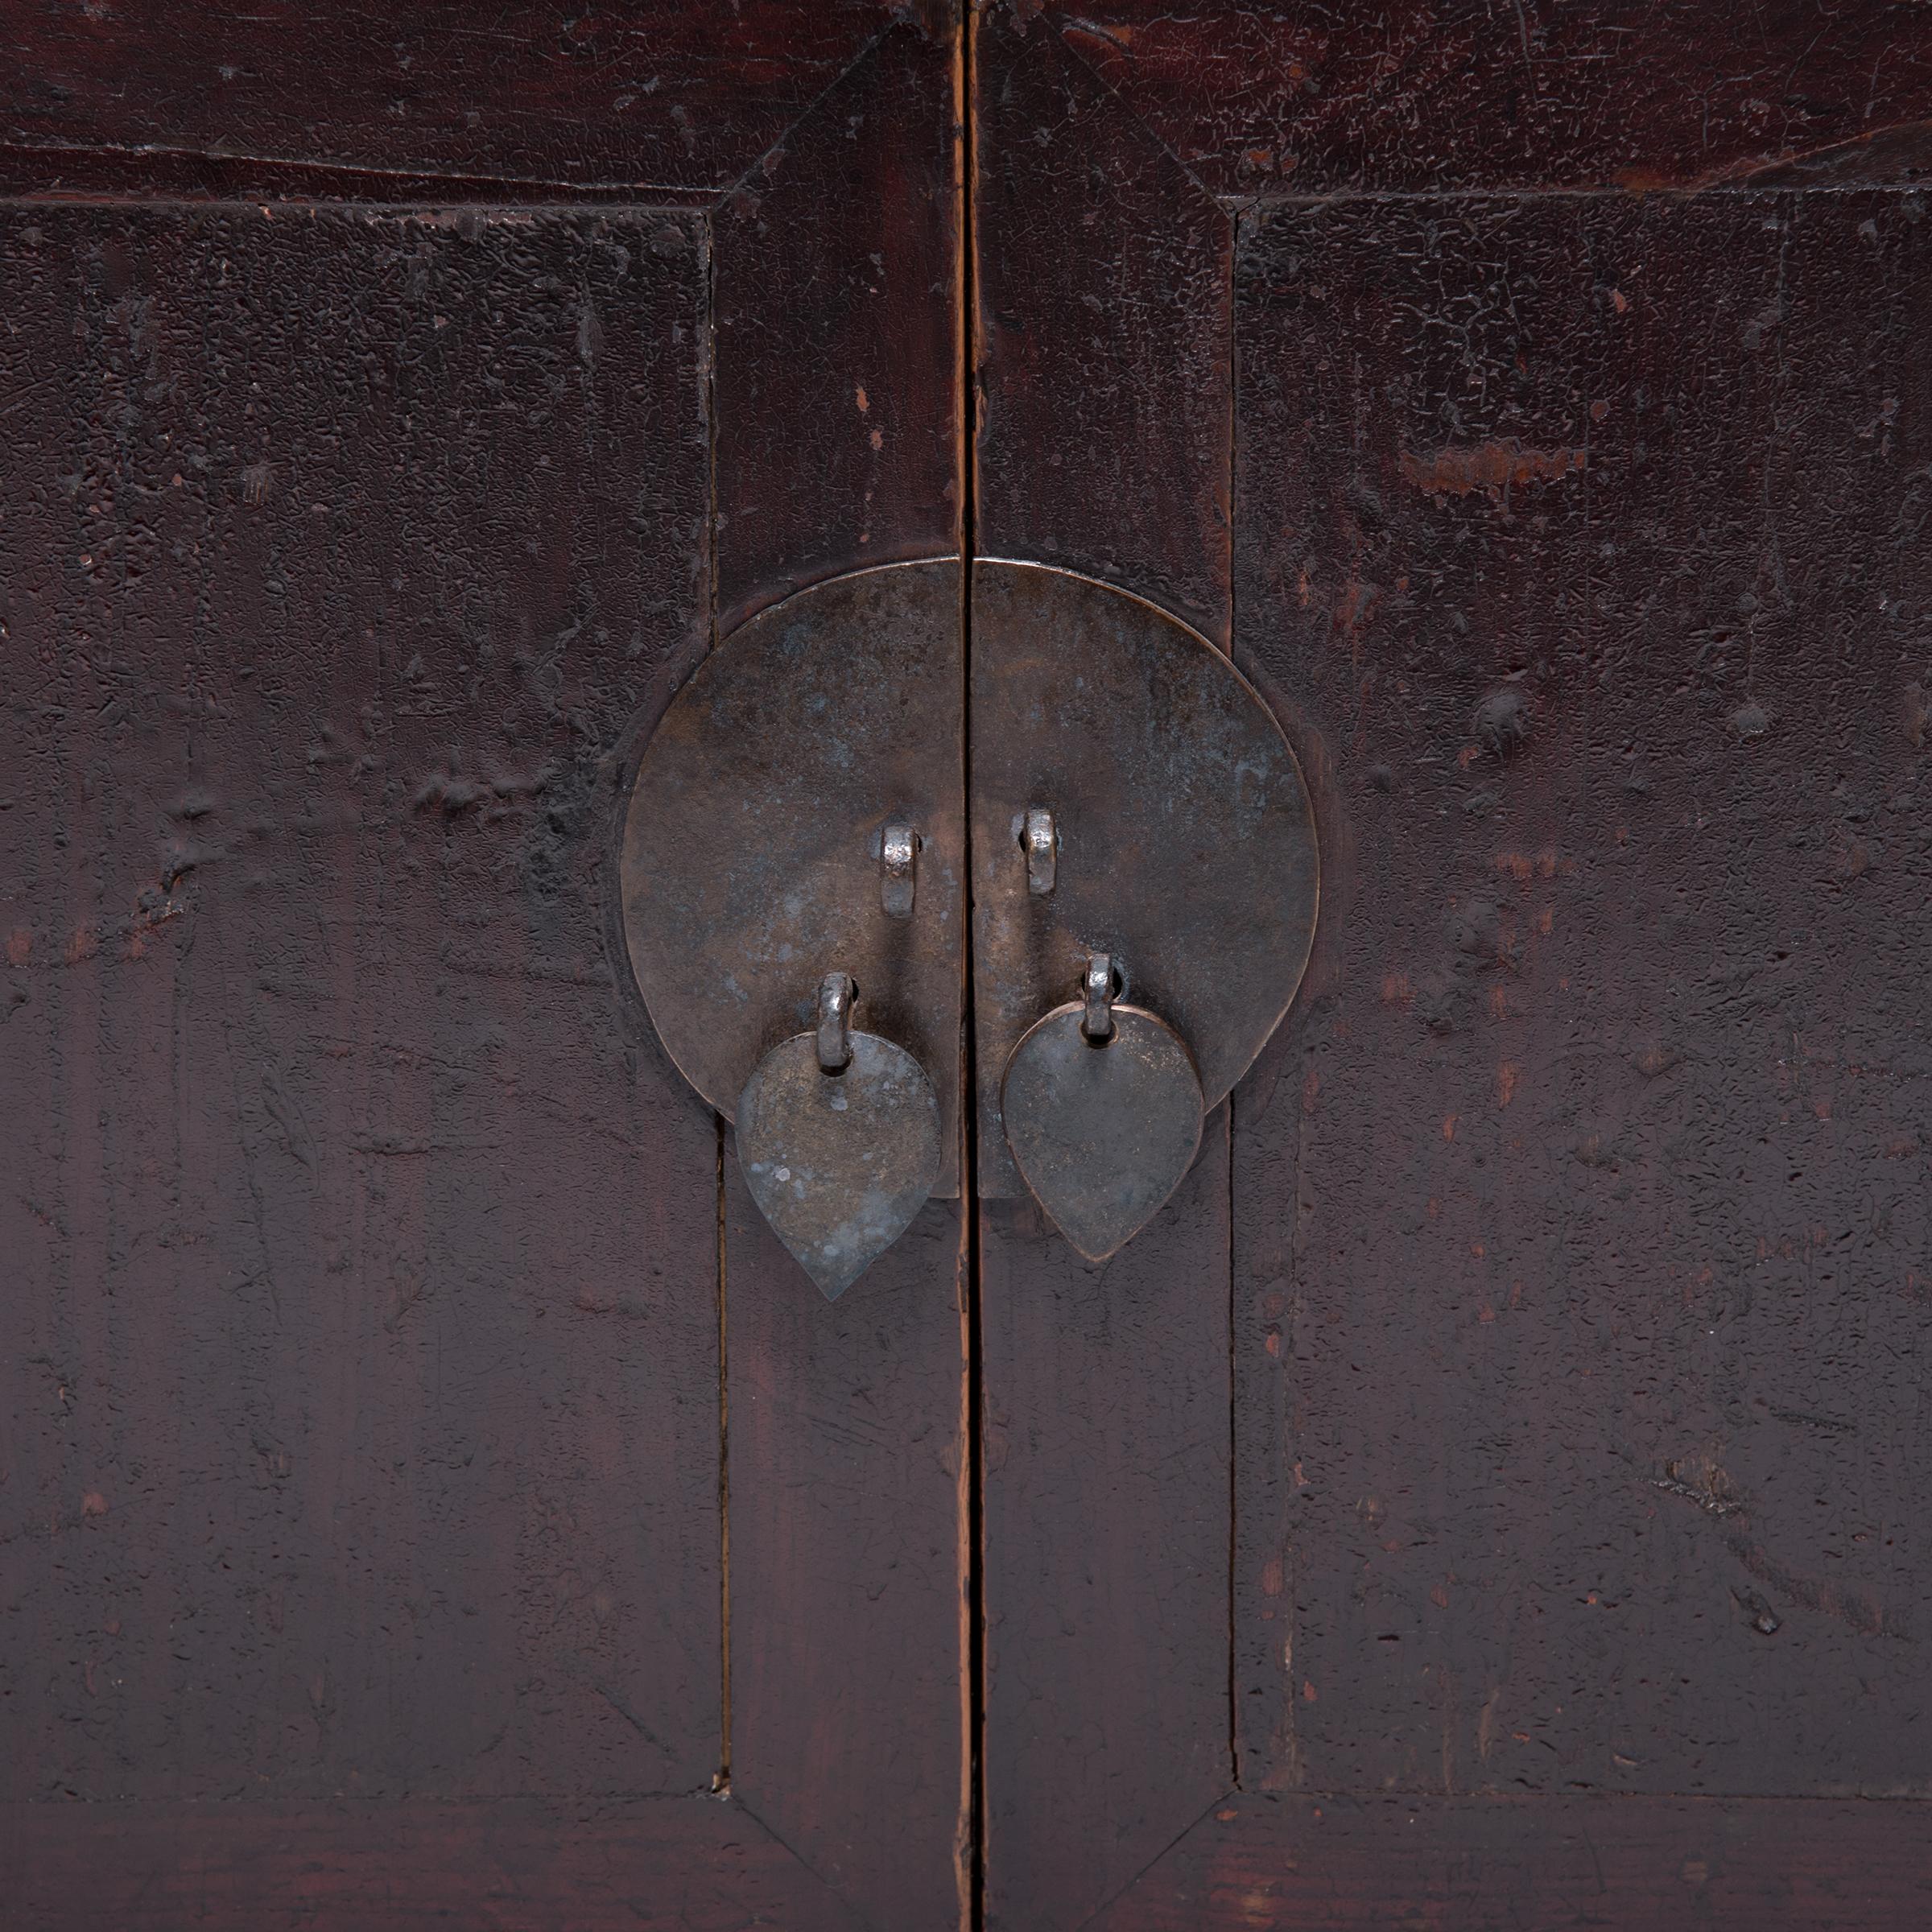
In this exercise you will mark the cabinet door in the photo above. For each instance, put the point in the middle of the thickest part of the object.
(429, 1495)
(1485, 1495)
(1489, 1495)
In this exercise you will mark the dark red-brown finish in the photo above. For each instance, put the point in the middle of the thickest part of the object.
(1421, 95)
(365, 1563)
(1556, 1221)
(655, 96)
(838, 397)
(527, 1863)
(849, 1721)
(1106, 1538)
(1585, 531)
(837, 407)
(1564, 1864)
(318, 640)
(1103, 446)
(1103, 344)
(1487, 1495)
(352, 1455)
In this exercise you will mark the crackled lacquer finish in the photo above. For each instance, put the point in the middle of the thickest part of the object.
(1596, 554)
(1577, 1214)
(351, 1452)
(398, 403)
(376, 385)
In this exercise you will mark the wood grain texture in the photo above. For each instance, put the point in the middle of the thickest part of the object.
(697, 1865)
(66, 174)
(534, 391)
(659, 95)
(1588, 531)
(1106, 1538)
(836, 399)
(360, 1558)
(1104, 432)
(1104, 445)
(837, 364)
(1573, 1864)
(361, 1375)
(1418, 95)
(848, 1563)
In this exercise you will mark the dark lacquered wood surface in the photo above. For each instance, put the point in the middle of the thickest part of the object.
(368, 1558)
(1486, 1495)
(1575, 542)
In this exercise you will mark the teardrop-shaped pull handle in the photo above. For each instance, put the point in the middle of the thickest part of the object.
(839, 1137)
(1102, 1107)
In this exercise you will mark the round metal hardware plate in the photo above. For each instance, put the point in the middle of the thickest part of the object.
(1185, 843)
(839, 1163)
(1102, 1131)
(756, 857)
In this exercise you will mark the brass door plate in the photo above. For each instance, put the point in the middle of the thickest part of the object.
(802, 811)
(755, 855)
(1185, 837)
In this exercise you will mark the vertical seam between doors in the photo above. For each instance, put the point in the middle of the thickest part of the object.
(1234, 1507)
(967, 433)
(721, 1781)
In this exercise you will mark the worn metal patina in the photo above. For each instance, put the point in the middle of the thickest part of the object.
(1183, 839)
(839, 1162)
(800, 814)
(1102, 1128)
(775, 823)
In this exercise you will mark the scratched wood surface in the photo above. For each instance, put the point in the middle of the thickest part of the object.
(1587, 530)
(1544, 1322)
(837, 432)
(1103, 446)
(658, 96)
(838, 367)
(1556, 1864)
(1415, 95)
(370, 1375)
(397, 1866)
(1102, 343)
(1578, 1214)
(350, 1454)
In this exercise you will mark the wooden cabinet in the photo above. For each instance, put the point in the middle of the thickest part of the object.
(1488, 1495)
